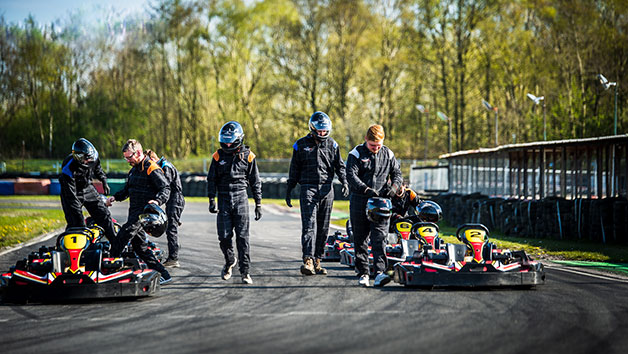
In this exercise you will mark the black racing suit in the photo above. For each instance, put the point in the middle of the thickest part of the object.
(174, 206)
(229, 175)
(402, 206)
(146, 181)
(312, 166)
(368, 170)
(77, 191)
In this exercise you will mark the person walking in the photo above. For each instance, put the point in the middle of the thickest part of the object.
(174, 207)
(146, 183)
(369, 166)
(232, 169)
(315, 160)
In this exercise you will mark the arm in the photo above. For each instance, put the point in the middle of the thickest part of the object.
(254, 181)
(295, 168)
(339, 166)
(99, 173)
(352, 175)
(211, 180)
(123, 193)
(395, 171)
(158, 179)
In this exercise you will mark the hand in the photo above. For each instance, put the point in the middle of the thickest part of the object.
(394, 190)
(110, 201)
(105, 188)
(370, 192)
(288, 200)
(345, 190)
(212, 206)
(258, 212)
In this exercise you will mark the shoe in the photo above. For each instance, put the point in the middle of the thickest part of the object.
(226, 270)
(308, 266)
(246, 279)
(317, 267)
(364, 280)
(165, 278)
(381, 279)
(172, 263)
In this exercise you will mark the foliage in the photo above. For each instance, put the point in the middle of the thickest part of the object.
(170, 77)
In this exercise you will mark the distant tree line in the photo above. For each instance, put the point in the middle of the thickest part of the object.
(172, 76)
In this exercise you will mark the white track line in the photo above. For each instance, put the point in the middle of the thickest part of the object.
(575, 271)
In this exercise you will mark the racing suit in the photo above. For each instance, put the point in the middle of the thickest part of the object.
(229, 175)
(146, 181)
(402, 205)
(368, 170)
(174, 206)
(312, 166)
(77, 191)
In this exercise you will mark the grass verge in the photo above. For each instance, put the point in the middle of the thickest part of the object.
(20, 225)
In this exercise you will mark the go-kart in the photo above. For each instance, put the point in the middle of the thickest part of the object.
(475, 263)
(79, 266)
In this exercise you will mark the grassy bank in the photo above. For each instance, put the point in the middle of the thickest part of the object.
(20, 225)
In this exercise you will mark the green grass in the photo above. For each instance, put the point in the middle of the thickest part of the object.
(20, 225)
(30, 197)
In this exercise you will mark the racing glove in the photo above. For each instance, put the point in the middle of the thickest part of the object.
(212, 206)
(370, 192)
(345, 190)
(258, 211)
(105, 188)
(288, 200)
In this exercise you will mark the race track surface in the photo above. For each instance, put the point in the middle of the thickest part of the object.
(285, 312)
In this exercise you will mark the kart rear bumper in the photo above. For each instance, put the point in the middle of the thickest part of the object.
(414, 276)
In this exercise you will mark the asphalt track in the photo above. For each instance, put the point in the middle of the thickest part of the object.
(284, 312)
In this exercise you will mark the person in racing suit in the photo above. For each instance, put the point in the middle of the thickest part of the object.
(369, 166)
(146, 183)
(77, 189)
(232, 169)
(315, 158)
(174, 207)
(404, 201)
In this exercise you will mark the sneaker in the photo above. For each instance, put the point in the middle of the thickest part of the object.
(165, 278)
(308, 266)
(226, 270)
(172, 263)
(317, 267)
(381, 279)
(364, 280)
(246, 279)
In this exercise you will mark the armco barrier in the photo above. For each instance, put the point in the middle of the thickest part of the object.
(31, 186)
(7, 188)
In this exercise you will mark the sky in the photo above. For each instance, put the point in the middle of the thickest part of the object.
(47, 11)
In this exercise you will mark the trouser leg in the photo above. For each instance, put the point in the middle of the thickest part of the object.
(140, 247)
(240, 219)
(378, 233)
(325, 203)
(174, 208)
(309, 208)
(102, 217)
(73, 215)
(361, 230)
(225, 229)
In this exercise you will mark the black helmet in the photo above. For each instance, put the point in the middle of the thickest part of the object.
(231, 133)
(84, 152)
(429, 211)
(154, 220)
(320, 121)
(378, 209)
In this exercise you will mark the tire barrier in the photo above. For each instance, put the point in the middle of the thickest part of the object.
(597, 220)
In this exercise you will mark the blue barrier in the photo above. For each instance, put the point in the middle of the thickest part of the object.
(7, 188)
(55, 187)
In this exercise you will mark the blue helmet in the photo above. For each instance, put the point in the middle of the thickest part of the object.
(233, 134)
(84, 152)
(320, 121)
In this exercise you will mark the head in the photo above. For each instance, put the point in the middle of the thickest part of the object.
(151, 155)
(231, 136)
(320, 126)
(84, 152)
(374, 138)
(132, 152)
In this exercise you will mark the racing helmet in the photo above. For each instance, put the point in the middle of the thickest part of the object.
(429, 211)
(153, 220)
(378, 209)
(320, 121)
(231, 133)
(84, 152)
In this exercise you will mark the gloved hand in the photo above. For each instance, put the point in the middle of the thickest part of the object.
(288, 200)
(370, 192)
(258, 212)
(394, 190)
(105, 188)
(212, 206)
(345, 190)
